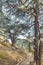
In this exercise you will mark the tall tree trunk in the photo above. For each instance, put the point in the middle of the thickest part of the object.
(12, 38)
(36, 28)
(36, 42)
(40, 51)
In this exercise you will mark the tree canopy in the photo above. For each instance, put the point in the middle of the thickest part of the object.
(18, 16)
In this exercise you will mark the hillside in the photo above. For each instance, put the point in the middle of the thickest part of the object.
(10, 56)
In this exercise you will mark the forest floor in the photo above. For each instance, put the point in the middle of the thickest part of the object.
(10, 56)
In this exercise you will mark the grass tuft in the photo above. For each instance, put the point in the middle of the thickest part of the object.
(3, 55)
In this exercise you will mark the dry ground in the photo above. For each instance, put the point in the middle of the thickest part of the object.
(11, 56)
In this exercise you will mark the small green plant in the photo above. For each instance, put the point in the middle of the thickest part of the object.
(3, 55)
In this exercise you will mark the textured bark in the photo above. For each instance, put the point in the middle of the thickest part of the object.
(13, 39)
(36, 43)
(40, 50)
(37, 35)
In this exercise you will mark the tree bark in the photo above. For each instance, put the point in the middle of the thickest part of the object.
(12, 38)
(36, 43)
(13, 41)
(37, 35)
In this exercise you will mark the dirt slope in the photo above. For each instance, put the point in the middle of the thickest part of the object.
(9, 56)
